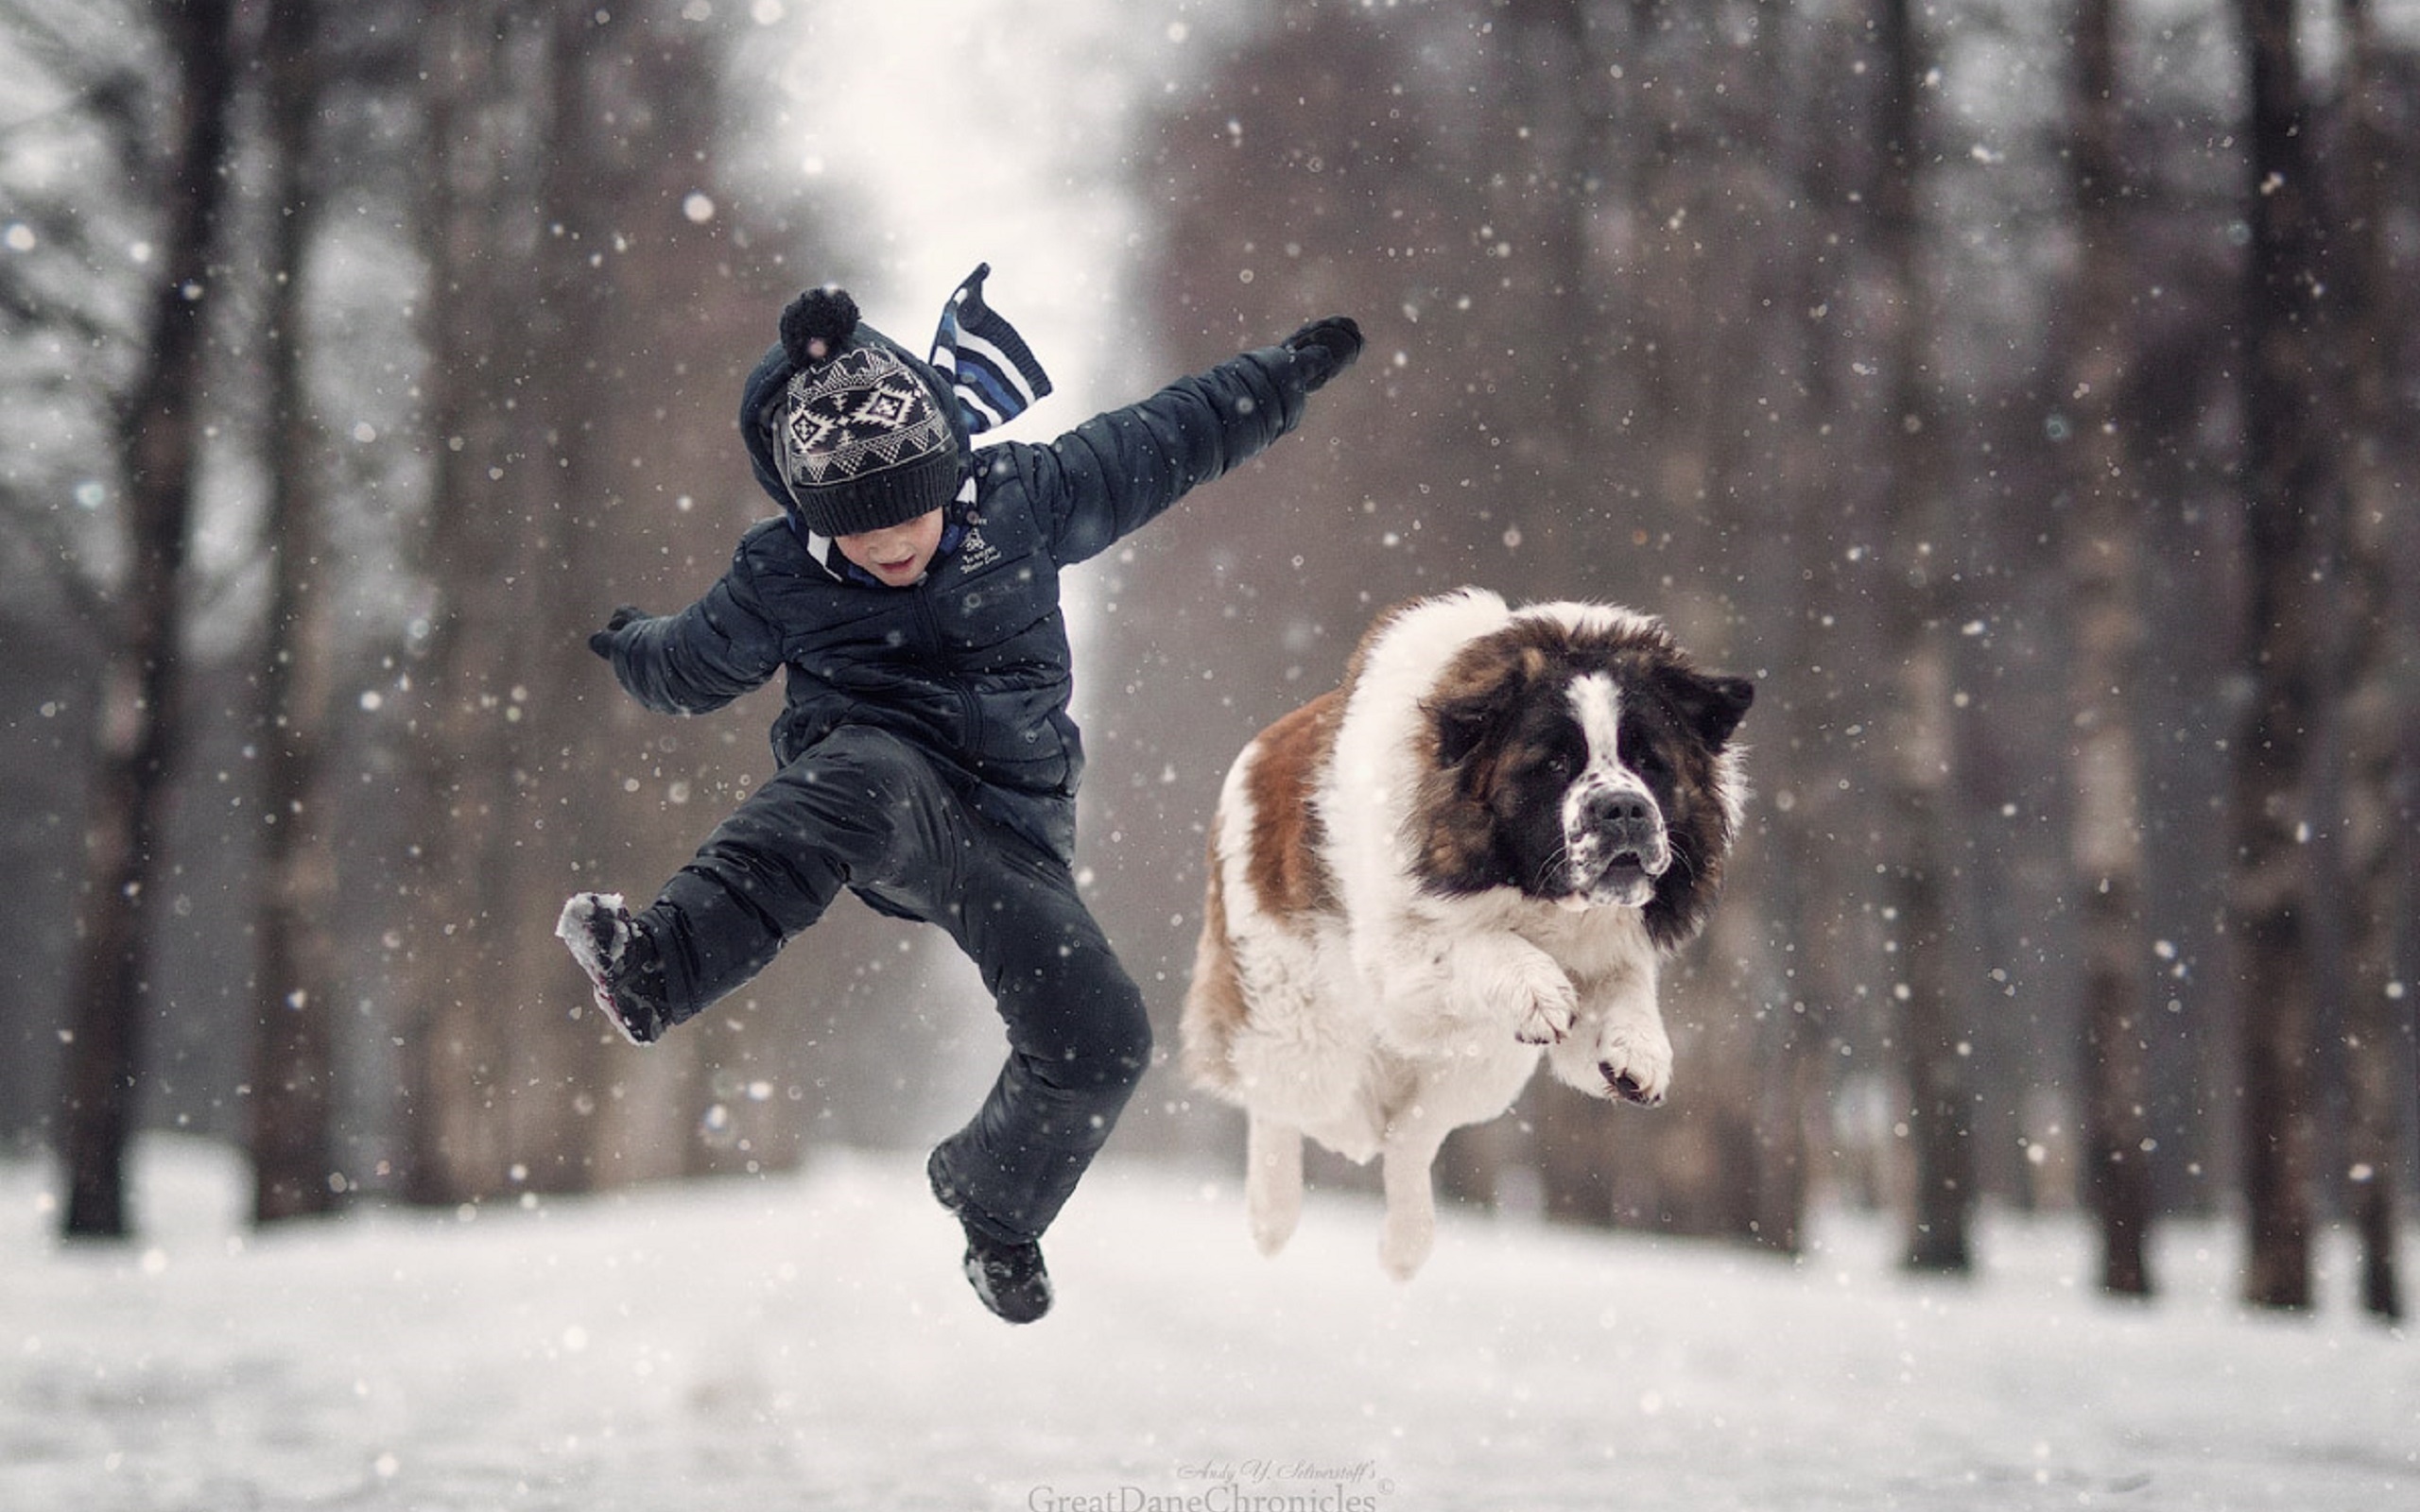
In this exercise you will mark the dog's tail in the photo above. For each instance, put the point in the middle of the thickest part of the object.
(1215, 1009)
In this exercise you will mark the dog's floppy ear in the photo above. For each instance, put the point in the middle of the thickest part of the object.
(1467, 710)
(1463, 712)
(1713, 705)
(1461, 723)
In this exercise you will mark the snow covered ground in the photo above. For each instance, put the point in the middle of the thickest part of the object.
(805, 1342)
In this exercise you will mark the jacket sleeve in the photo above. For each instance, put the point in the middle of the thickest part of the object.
(1118, 470)
(696, 661)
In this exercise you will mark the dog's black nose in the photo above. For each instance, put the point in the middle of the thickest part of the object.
(1622, 808)
(1627, 820)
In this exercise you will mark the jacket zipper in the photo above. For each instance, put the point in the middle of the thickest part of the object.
(928, 626)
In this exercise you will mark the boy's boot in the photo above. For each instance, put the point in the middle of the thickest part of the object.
(621, 961)
(1008, 1277)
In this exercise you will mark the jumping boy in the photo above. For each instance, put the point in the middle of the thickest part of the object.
(909, 592)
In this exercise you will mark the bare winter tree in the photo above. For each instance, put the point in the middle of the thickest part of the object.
(2378, 818)
(158, 442)
(457, 763)
(293, 1101)
(2102, 529)
(1914, 558)
(2290, 484)
(55, 318)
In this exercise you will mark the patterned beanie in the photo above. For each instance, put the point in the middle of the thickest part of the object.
(866, 440)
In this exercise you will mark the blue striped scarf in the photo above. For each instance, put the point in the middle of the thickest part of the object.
(994, 371)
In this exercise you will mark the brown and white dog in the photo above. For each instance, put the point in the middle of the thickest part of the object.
(1483, 843)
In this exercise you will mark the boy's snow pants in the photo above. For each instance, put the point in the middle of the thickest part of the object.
(864, 809)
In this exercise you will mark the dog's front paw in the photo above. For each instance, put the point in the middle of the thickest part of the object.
(1546, 1005)
(1546, 1023)
(1636, 1062)
(1630, 1061)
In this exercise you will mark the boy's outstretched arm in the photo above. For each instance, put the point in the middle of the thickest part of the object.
(696, 661)
(1117, 470)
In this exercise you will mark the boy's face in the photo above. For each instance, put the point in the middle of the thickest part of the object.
(896, 554)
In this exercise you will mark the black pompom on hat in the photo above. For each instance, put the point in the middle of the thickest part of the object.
(816, 323)
(866, 442)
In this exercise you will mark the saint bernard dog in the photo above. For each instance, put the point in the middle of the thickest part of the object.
(1481, 845)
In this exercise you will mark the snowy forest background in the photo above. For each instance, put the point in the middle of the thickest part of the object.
(2022, 393)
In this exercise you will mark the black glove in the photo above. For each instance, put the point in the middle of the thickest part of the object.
(602, 642)
(1325, 349)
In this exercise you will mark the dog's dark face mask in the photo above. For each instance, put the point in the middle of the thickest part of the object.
(1593, 784)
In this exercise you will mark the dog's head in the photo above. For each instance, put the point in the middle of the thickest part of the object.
(1578, 757)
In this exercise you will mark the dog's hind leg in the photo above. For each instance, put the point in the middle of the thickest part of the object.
(1413, 1139)
(1436, 1099)
(1272, 1182)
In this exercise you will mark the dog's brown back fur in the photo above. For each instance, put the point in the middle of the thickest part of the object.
(1286, 873)
(1215, 1008)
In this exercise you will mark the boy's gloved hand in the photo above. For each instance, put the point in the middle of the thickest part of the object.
(602, 642)
(1325, 347)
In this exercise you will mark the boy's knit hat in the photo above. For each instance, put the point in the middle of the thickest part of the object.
(865, 441)
(838, 423)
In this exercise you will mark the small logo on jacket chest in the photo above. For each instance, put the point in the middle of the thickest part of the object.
(974, 553)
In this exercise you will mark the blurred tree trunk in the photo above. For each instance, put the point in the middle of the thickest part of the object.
(1803, 785)
(159, 440)
(2288, 492)
(293, 1069)
(474, 57)
(576, 331)
(2104, 764)
(1916, 561)
(2379, 822)
(501, 82)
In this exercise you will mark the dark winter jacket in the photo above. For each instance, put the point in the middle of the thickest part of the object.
(972, 663)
